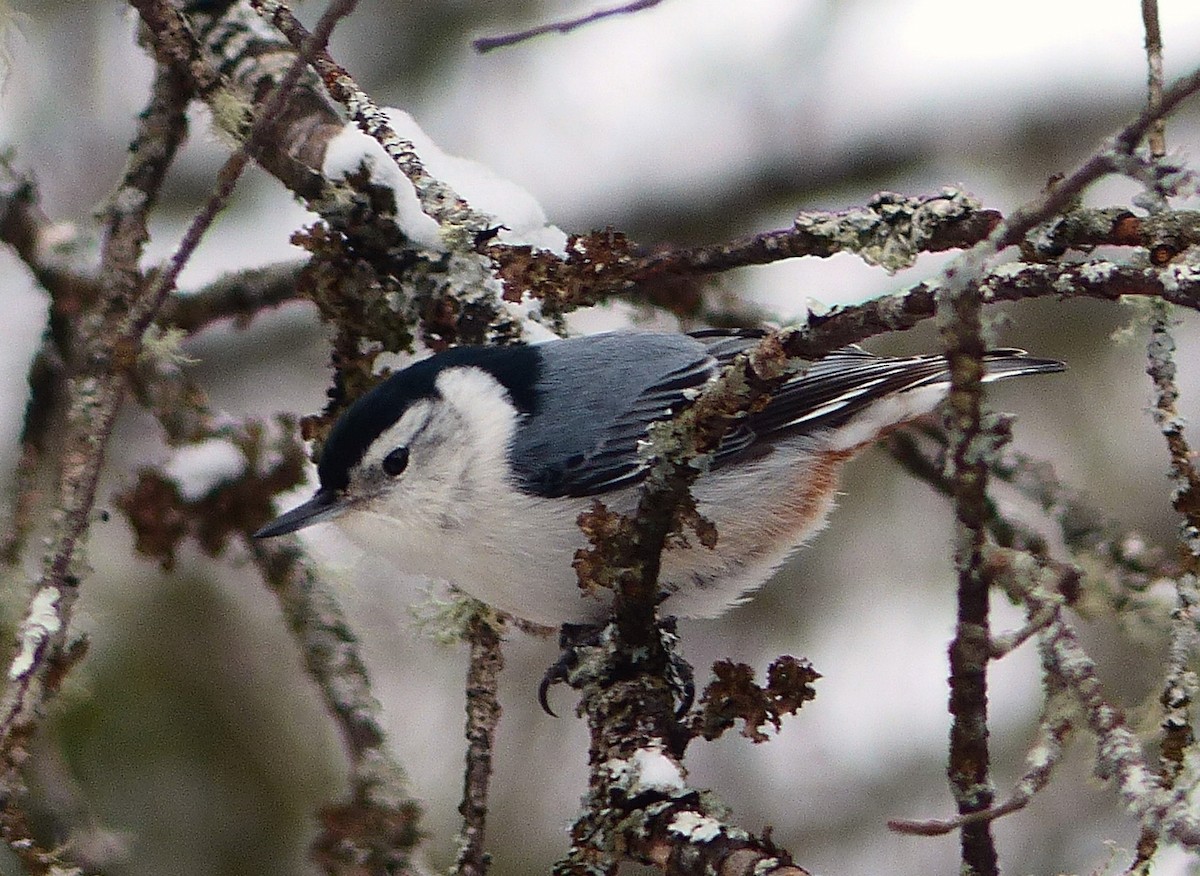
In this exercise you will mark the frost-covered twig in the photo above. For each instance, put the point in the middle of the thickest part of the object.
(438, 200)
(32, 677)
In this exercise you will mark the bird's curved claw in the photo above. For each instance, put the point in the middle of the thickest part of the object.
(570, 638)
(555, 674)
(573, 637)
(683, 680)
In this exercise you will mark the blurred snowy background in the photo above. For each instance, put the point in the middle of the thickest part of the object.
(192, 729)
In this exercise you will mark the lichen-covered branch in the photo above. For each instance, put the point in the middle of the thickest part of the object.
(971, 442)
(628, 700)
(890, 230)
(1180, 685)
(38, 665)
(1071, 672)
(483, 715)
(234, 61)
(1089, 535)
(377, 827)
(1119, 753)
(1185, 480)
(1019, 572)
(92, 388)
(1178, 283)
(960, 306)
(240, 296)
(146, 308)
(30, 234)
(385, 290)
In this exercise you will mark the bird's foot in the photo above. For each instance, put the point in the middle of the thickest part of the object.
(588, 650)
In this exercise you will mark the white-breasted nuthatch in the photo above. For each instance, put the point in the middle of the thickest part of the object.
(473, 465)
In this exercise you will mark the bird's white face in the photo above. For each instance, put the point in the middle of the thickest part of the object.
(439, 471)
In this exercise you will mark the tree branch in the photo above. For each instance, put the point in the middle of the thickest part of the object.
(483, 715)
(972, 440)
(239, 296)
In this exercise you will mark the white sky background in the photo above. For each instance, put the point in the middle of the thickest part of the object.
(679, 103)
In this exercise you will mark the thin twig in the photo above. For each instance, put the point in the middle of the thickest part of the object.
(1113, 158)
(28, 231)
(94, 405)
(1157, 136)
(1185, 478)
(486, 44)
(1071, 672)
(379, 822)
(1180, 686)
(483, 716)
(239, 296)
(1019, 573)
(161, 131)
(964, 348)
(968, 770)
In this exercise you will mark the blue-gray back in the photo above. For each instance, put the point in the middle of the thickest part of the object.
(598, 395)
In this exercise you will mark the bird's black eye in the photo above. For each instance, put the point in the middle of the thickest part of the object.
(396, 461)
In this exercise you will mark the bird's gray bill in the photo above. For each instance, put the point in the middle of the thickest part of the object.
(320, 507)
